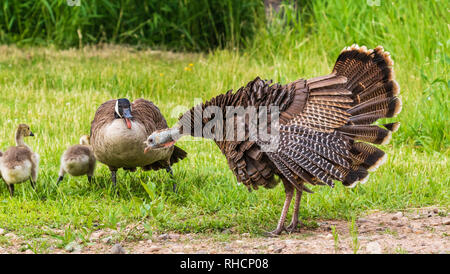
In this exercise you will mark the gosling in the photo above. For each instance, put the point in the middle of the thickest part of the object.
(78, 160)
(19, 163)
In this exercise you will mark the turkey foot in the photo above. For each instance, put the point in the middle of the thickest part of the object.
(276, 232)
(293, 227)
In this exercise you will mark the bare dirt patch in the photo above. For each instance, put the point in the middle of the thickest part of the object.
(423, 230)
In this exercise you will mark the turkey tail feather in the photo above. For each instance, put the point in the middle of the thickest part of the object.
(370, 78)
(343, 106)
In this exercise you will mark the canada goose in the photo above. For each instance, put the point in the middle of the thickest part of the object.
(119, 130)
(78, 160)
(19, 163)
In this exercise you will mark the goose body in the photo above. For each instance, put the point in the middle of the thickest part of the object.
(119, 130)
(19, 163)
(78, 160)
(76, 166)
(13, 171)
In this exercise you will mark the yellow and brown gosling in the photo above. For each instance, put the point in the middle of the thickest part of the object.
(19, 163)
(78, 160)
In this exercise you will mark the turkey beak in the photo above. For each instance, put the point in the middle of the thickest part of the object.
(149, 147)
(127, 116)
(150, 143)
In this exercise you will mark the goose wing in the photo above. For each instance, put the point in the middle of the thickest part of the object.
(149, 115)
(104, 115)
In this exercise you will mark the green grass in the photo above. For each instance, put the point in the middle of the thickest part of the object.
(57, 92)
(175, 24)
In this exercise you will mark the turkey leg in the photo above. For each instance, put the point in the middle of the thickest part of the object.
(289, 190)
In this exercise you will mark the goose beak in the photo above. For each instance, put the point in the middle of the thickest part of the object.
(31, 133)
(128, 123)
(127, 116)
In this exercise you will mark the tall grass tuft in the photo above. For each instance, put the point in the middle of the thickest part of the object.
(175, 24)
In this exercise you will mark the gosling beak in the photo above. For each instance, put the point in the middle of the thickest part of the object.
(127, 116)
(31, 133)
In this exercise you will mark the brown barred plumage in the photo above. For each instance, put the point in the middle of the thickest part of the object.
(323, 126)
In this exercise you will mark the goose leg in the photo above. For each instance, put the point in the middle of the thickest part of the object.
(294, 222)
(91, 169)
(60, 178)
(11, 189)
(34, 173)
(113, 175)
(61, 175)
(289, 190)
(170, 171)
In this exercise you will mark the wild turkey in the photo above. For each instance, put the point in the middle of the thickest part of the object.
(325, 125)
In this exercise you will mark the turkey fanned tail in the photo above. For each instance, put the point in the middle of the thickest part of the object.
(328, 138)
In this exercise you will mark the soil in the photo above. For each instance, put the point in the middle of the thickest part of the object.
(424, 230)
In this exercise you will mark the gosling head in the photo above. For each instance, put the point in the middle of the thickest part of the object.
(24, 130)
(85, 140)
(123, 111)
(159, 139)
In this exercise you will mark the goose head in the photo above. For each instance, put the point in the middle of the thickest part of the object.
(123, 111)
(24, 130)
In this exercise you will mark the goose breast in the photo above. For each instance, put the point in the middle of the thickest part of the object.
(118, 146)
